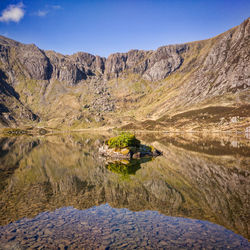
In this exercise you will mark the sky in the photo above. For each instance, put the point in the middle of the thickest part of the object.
(102, 27)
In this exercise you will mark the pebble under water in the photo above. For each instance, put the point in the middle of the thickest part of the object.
(110, 228)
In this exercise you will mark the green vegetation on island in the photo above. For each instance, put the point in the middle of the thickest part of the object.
(123, 140)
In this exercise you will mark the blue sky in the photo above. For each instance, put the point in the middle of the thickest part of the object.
(103, 27)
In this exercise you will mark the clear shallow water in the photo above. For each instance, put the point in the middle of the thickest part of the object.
(57, 192)
(108, 227)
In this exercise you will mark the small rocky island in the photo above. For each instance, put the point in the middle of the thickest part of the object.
(126, 146)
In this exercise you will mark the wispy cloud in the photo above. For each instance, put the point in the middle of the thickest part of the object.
(47, 9)
(42, 13)
(14, 13)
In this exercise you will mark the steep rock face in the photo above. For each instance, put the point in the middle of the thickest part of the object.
(64, 69)
(152, 66)
(134, 61)
(75, 68)
(164, 61)
(225, 68)
(90, 63)
(34, 61)
(27, 60)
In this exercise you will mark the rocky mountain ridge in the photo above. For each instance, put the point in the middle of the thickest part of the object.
(125, 87)
(37, 64)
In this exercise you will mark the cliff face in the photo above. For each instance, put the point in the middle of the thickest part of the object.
(136, 84)
(225, 69)
(33, 63)
(150, 65)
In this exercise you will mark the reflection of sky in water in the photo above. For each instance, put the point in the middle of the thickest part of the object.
(104, 226)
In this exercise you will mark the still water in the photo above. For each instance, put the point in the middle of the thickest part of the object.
(56, 192)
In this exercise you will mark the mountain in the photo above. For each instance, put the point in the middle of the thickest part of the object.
(193, 86)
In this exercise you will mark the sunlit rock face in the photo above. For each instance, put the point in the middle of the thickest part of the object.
(49, 172)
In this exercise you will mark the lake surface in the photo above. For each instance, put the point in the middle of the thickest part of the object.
(56, 192)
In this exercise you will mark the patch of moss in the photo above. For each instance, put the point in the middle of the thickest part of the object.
(123, 140)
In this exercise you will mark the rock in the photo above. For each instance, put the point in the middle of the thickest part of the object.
(154, 67)
(136, 155)
(128, 152)
(156, 152)
(164, 61)
(125, 151)
(35, 64)
(42, 131)
(75, 68)
(247, 132)
(234, 119)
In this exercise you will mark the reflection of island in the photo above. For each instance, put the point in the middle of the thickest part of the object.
(45, 173)
(127, 167)
(124, 167)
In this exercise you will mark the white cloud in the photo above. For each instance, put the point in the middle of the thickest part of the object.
(48, 9)
(42, 13)
(13, 13)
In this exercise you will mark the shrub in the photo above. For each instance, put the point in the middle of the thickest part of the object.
(123, 140)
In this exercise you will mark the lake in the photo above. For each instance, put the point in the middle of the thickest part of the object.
(58, 193)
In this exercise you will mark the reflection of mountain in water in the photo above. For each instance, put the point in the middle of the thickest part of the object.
(46, 173)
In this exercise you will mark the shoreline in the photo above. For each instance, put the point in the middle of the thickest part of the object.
(46, 131)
